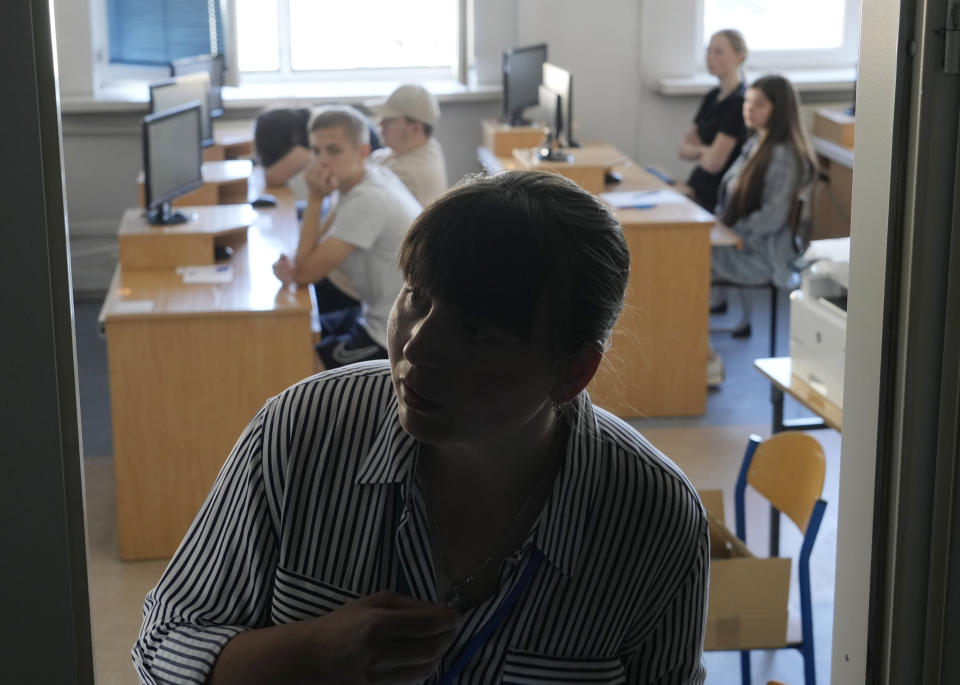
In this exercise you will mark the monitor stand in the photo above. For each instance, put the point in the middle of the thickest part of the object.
(164, 216)
(515, 119)
(550, 151)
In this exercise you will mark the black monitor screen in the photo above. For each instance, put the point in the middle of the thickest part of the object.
(560, 81)
(522, 71)
(172, 156)
(179, 91)
(212, 65)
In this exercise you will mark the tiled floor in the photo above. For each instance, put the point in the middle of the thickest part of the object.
(708, 449)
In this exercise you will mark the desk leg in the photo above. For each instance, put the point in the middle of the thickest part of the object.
(776, 399)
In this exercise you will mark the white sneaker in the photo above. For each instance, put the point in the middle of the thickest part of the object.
(714, 370)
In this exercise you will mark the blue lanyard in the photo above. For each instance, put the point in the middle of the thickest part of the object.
(479, 640)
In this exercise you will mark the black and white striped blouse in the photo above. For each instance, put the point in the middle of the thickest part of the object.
(318, 505)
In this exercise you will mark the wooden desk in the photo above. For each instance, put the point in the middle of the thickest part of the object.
(656, 364)
(143, 245)
(187, 376)
(225, 182)
(502, 139)
(229, 142)
(778, 370)
(587, 166)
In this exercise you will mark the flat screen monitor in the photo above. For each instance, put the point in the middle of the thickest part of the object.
(552, 115)
(212, 65)
(176, 92)
(560, 81)
(522, 72)
(172, 159)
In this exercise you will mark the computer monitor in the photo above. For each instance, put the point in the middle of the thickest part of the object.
(552, 115)
(172, 159)
(522, 71)
(560, 81)
(177, 92)
(212, 65)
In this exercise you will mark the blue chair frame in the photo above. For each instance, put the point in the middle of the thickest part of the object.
(805, 646)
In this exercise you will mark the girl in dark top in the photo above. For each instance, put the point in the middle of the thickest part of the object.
(717, 133)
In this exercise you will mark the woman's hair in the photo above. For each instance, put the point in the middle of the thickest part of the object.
(501, 249)
(736, 39)
(783, 127)
(347, 118)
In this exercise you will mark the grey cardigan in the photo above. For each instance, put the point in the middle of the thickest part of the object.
(767, 236)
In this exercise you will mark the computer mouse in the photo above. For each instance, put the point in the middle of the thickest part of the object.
(612, 177)
(265, 201)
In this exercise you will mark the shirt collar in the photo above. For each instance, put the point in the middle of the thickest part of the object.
(392, 453)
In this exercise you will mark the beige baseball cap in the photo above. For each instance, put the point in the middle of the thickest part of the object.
(411, 101)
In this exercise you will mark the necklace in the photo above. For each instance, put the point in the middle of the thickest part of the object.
(457, 599)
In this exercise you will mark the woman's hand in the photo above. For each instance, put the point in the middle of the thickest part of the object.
(283, 269)
(320, 180)
(383, 638)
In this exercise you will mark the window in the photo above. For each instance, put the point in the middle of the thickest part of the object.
(290, 39)
(779, 34)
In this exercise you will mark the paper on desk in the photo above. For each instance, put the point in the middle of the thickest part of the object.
(133, 306)
(206, 273)
(641, 199)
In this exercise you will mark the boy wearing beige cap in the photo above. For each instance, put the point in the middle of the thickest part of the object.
(407, 119)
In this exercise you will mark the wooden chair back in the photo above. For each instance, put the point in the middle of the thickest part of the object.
(789, 469)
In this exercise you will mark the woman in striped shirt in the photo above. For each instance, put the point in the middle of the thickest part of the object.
(462, 513)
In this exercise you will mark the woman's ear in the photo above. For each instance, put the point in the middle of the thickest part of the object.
(579, 372)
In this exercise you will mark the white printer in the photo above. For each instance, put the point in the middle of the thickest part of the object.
(818, 318)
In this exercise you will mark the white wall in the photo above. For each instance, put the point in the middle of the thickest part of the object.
(598, 43)
(75, 32)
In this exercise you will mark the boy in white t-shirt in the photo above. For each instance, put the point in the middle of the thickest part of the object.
(353, 252)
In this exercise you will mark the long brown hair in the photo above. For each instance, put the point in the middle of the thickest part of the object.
(784, 127)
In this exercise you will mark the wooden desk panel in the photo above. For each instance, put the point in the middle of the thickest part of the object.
(186, 377)
(656, 364)
(182, 389)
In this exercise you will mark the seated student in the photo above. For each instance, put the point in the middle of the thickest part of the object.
(717, 133)
(407, 119)
(758, 193)
(353, 251)
(281, 144)
(462, 513)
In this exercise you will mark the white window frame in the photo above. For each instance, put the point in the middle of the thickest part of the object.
(760, 60)
(285, 74)
(107, 74)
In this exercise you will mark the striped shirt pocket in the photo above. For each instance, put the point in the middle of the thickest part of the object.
(529, 668)
(297, 597)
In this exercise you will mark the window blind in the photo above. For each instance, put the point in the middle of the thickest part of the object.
(159, 31)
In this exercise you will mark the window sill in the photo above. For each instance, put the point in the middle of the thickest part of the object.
(805, 81)
(133, 96)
